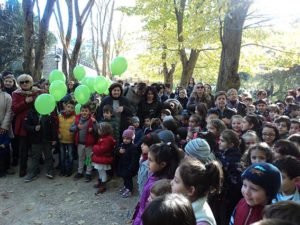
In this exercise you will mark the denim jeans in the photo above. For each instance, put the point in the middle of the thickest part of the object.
(66, 158)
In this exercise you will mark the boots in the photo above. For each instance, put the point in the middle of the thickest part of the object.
(98, 184)
(101, 189)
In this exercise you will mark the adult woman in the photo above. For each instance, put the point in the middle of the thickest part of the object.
(120, 104)
(150, 105)
(22, 101)
(9, 86)
(199, 95)
(5, 129)
(190, 86)
(9, 82)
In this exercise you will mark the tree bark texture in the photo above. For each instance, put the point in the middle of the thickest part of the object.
(231, 38)
(188, 64)
(27, 6)
(42, 38)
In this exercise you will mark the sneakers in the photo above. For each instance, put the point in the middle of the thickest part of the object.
(50, 175)
(78, 176)
(88, 178)
(126, 194)
(121, 190)
(30, 178)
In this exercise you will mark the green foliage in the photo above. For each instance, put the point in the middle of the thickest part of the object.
(11, 33)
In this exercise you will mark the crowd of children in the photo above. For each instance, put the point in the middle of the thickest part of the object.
(203, 159)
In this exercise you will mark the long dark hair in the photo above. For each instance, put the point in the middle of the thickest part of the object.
(169, 154)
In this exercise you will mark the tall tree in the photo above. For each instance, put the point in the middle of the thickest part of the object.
(231, 31)
(81, 19)
(11, 33)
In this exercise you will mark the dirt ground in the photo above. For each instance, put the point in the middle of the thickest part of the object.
(62, 201)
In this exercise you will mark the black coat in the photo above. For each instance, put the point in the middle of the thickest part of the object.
(128, 162)
(48, 130)
(125, 115)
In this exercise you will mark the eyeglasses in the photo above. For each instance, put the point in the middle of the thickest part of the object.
(25, 82)
(270, 135)
(200, 87)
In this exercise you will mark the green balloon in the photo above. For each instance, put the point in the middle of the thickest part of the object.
(44, 104)
(101, 84)
(58, 89)
(79, 72)
(82, 94)
(57, 75)
(106, 92)
(77, 108)
(89, 81)
(118, 65)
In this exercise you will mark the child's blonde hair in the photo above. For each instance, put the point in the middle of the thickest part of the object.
(106, 129)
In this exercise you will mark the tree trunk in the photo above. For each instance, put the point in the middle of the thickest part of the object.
(27, 6)
(188, 64)
(231, 38)
(168, 74)
(42, 38)
(68, 38)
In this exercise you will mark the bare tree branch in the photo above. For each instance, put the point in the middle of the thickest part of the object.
(270, 47)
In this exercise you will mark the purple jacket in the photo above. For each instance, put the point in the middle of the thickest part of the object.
(144, 198)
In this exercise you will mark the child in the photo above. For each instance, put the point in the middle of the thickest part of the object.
(164, 113)
(290, 173)
(229, 155)
(251, 122)
(66, 138)
(172, 209)
(128, 162)
(163, 161)
(160, 188)
(236, 124)
(295, 127)
(286, 210)
(284, 147)
(295, 138)
(194, 127)
(181, 134)
(261, 182)
(184, 119)
(250, 138)
(147, 123)
(42, 132)
(108, 117)
(283, 124)
(274, 112)
(215, 127)
(257, 153)
(4, 153)
(199, 149)
(196, 180)
(84, 129)
(103, 155)
(139, 133)
(269, 134)
(147, 141)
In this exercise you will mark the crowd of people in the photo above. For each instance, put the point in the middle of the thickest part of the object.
(200, 158)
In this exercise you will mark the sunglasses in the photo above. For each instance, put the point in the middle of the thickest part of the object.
(200, 87)
(25, 82)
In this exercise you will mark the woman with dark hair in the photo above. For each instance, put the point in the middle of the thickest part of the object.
(199, 95)
(120, 105)
(190, 86)
(150, 105)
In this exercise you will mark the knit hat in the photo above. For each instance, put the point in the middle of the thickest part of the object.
(198, 148)
(264, 175)
(167, 118)
(135, 119)
(129, 133)
(166, 136)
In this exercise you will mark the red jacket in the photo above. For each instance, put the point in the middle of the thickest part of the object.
(103, 150)
(89, 138)
(20, 108)
(245, 214)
